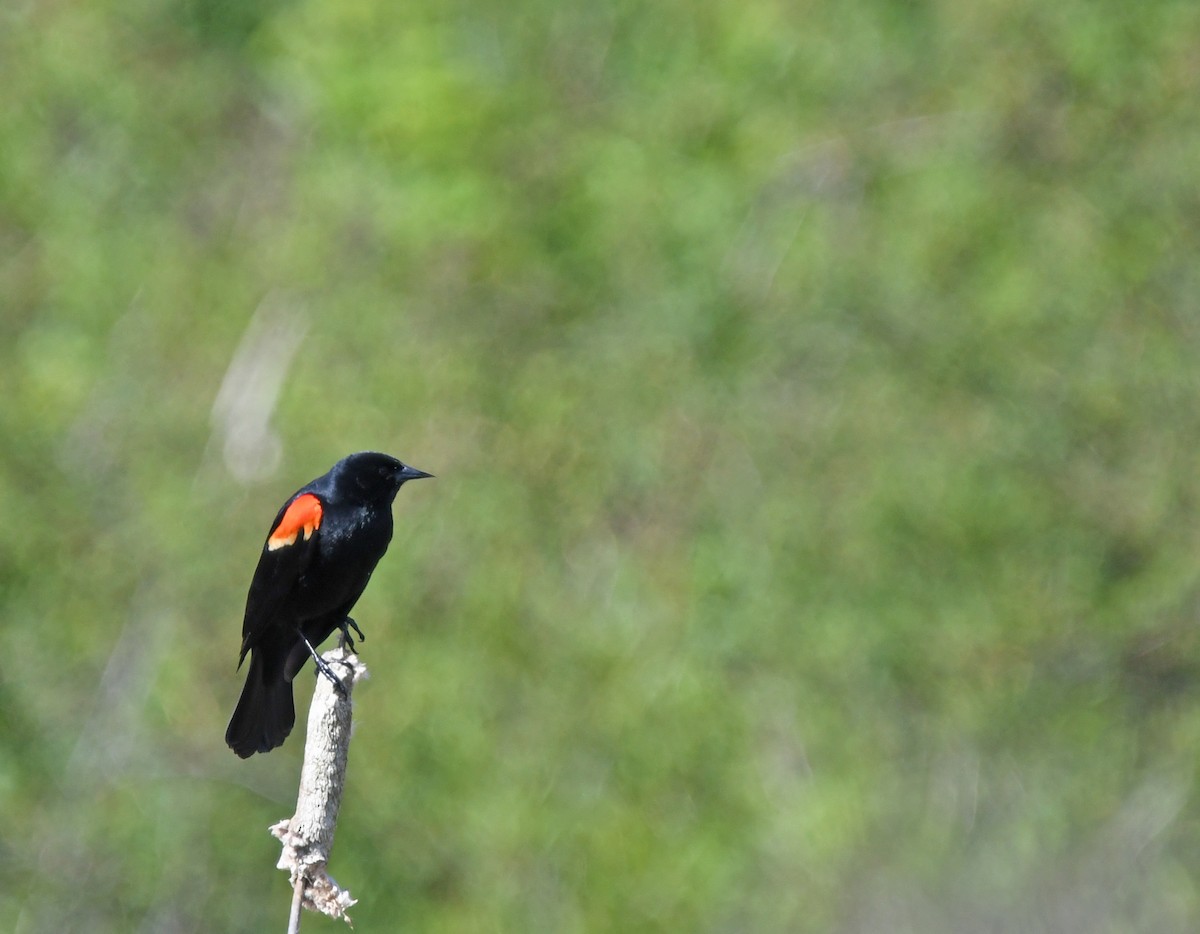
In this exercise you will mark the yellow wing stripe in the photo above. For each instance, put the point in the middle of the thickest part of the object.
(303, 516)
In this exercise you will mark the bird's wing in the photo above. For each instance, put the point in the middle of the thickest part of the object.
(286, 555)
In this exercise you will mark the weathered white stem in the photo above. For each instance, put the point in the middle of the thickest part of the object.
(297, 907)
(307, 837)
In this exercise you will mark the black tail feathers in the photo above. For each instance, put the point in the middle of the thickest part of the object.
(265, 712)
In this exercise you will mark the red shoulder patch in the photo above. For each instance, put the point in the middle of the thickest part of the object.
(303, 516)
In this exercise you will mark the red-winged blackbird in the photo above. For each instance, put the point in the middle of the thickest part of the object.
(315, 564)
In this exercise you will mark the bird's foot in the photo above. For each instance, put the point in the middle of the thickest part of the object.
(323, 668)
(345, 626)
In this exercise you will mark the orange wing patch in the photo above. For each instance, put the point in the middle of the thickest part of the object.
(303, 516)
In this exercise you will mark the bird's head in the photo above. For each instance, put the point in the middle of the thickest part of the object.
(374, 477)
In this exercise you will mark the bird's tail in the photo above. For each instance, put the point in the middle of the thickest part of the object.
(265, 712)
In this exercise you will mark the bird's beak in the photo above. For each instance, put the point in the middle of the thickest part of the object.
(411, 473)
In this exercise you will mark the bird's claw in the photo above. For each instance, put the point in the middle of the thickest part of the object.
(323, 668)
(345, 626)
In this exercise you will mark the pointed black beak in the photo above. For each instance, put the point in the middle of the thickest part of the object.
(411, 473)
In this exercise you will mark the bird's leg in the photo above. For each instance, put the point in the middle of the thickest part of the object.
(345, 626)
(323, 667)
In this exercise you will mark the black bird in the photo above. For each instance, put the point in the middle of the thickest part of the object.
(314, 566)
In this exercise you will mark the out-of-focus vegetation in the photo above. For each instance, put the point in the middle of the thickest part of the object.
(813, 391)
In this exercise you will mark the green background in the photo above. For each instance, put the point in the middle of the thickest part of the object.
(813, 393)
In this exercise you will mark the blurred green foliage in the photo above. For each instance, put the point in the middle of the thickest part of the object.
(813, 394)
